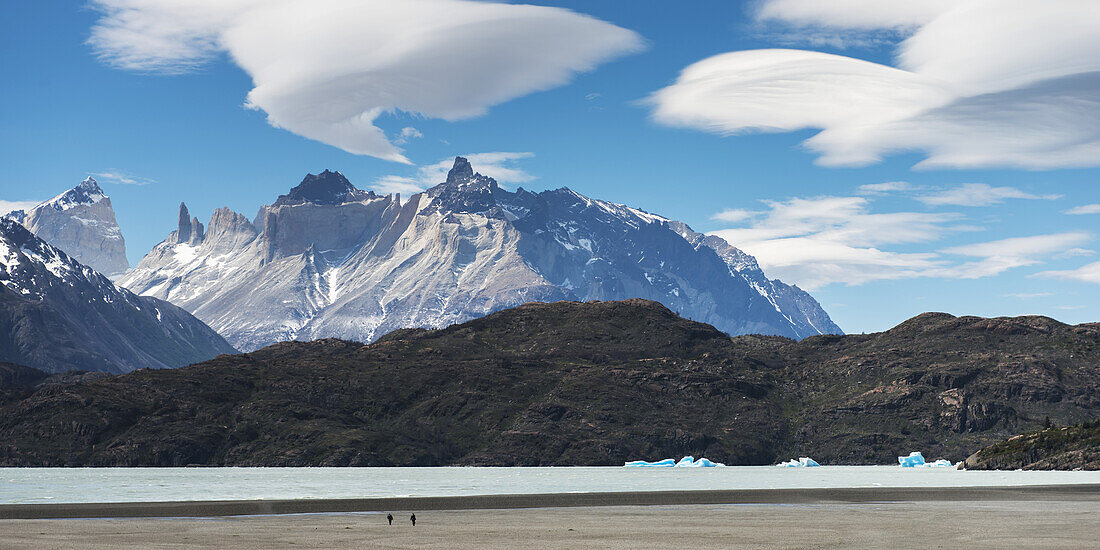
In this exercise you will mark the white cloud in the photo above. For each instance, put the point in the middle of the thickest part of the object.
(1073, 253)
(824, 240)
(397, 184)
(1021, 247)
(328, 69)
(885, 187)
(855, 14)
(815, 242)
(9, 206)
(978, 83)
(1024, 295)
(1084, 209)
(1001, 255)
(501, 166)
(979, 194)
(733, 215)
(1088, 273)
(407, 134)
(115, 176)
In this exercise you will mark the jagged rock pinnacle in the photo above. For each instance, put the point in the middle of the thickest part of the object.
(183, 234)
(461, 171)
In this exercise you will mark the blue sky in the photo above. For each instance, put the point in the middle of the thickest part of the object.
(984, 230)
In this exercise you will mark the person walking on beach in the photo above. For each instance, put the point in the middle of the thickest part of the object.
(413, 519)
(389, 518)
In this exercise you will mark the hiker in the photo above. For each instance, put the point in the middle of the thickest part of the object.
(413, 519)
(389, 518)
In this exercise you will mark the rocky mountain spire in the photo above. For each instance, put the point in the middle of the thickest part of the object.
(461, 171)
(183, 233)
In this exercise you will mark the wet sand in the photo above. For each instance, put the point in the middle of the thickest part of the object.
(986, 524)
(1025, 517)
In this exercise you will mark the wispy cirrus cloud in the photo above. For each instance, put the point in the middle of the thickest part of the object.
(996, 257)
(121, 178)
(1089, 273)
(329, 69)
(979, 194)
(976, 83)
(819, 241)
(1084, 209)
(406, 135)
(885, 188)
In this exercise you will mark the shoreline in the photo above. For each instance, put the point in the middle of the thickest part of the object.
(847, 495)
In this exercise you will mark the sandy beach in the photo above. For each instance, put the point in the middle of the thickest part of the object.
(1044, 517)
(990, 524)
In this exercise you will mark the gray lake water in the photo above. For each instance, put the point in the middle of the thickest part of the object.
(53, 485)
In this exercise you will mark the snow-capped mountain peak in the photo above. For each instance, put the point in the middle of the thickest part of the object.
(87, 192)
(80, 221)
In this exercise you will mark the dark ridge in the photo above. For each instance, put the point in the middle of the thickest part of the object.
(571, 383)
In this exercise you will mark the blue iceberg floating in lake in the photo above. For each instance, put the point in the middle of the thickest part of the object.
(686, 462)
(666, 463)
(916, 460)
(802, 462)
(913, 460)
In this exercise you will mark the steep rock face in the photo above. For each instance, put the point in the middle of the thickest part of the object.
(58, 315)
(568, 383)
(329, 260)
(81, 222)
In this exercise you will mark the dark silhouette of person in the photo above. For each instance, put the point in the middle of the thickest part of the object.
(389, 518)
(413, 519)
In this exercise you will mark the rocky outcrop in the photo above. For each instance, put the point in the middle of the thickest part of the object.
(1066, 448)
(569, 383)
(329, 260)
(81, 222)
(58, 315)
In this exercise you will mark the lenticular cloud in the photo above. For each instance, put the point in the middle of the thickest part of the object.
(977, 83)
(327, 69)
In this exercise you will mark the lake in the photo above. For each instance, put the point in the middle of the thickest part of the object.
(55, 485)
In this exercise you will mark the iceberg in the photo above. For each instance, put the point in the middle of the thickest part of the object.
(913, 460)
(802, 462)
(666, 463)
(686, 462)
(916, 460)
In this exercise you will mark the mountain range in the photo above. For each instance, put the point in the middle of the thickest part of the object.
(329, 260)
(57, 314)
(570, 383)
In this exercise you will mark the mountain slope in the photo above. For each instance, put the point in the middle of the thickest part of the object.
(80, 221)
(58, 315)
(571, 383)
(330, 260)
(939, 384)
(1066, 448)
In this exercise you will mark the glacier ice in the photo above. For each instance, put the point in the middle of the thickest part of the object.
(802, 462)
(686, 462)
(916, 460)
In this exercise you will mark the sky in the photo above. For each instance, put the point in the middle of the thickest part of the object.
(891, 157)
